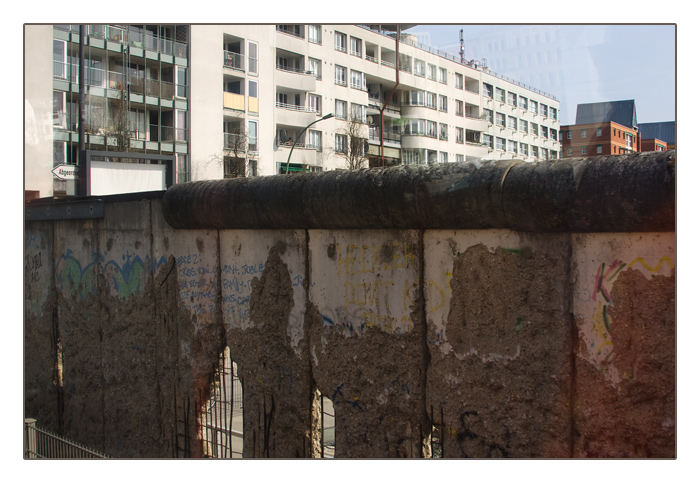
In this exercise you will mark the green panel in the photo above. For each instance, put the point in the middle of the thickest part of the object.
(167, 58)
(61, 34)
(181, 61)
(114, 46)
(181, 104)
(61, 136)
(166, 147)
(61, 85)
(167, 102)
(181, 148)
(153, 101)
(151, 55)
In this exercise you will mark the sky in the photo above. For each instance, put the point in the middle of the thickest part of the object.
(577, 64)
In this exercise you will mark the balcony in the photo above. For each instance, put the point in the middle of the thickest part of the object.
(234, 101)
(295, 115)
(234, 61)
(295, 78)
(390, 137)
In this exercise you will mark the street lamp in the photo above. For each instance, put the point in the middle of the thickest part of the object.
(327, 116)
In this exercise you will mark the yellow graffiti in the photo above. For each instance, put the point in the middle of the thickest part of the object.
(375, 258)
(658, 265)
(366, 293)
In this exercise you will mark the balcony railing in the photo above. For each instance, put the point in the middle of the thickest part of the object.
(298, 145)
(294, 70)
(293, 30)
(234, 60)
(392, 136)
(294, 107)
(235, 142)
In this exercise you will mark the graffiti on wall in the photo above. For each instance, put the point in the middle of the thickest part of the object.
(375, 286)
(123, 277)
(197, 283)
(599, 301)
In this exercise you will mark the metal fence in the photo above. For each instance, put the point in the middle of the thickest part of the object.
(40, 443)
(221, 424)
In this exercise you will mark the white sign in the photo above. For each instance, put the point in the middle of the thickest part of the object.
(66, 171)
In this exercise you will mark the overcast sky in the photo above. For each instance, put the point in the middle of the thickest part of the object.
(577, 64)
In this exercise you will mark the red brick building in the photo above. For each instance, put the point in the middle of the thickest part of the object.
(602, 128)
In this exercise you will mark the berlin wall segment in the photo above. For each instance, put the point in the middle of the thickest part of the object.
(513, 343)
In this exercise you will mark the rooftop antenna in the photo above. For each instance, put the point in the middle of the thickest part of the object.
(461, 45)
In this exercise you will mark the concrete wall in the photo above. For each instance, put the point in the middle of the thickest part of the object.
(501, 342)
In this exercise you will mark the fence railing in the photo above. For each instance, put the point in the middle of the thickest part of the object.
(40, 443)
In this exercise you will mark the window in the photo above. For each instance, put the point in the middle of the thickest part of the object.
(459, 81)
(459, 108)
(568, 134)
(488, 90)
(442, 103)
(488, 115)
(534, 128)
(443, 132)
(252, 96)
(181, 81)
(341, 75)
(523, 102)
(552, 113)
(500, 144)
(512, 99)
(180, 125)
(405, 63)
(431, 100)
(442, 75)
(584, 150)
(553, 154)
(59, 153)
(357, 80)
(341, 109)
(252, 57)
(253, 136)
(512, 122)
(553, 134)
(419, 68)
(341, 143)
(416, 98)
(315, 67)
(443, 157)
(533, 106)
(523, 149)
(432, 72)
(584, 133)
(599, 131)
(512, 147)
(488, 140)
(569, 151)
(355, 47)
(544, 131)
(543, 110)
(460, 158)
(500, 119)
(413, 156)
(341, 42)
(431, 129)
(314, 140)
(599, 149)
(59, 115)
(535, 151)
(358, 112)
(459, 135)
(315, 34)
(315, 103)
(522, 125)
(500, 94)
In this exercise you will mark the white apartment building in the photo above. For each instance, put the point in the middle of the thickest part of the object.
(231, 100)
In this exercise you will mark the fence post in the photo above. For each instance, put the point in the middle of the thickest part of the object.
(29, 438)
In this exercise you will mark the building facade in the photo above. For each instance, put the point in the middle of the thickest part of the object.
(236, 100)
(581, 140)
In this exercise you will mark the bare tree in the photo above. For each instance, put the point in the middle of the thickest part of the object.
(355, 154)
(120, 125)
(238, 158)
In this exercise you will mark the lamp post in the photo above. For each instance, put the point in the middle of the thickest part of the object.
(327, 116)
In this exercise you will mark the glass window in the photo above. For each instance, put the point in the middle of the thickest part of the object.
(512, 122)
(512, 147)
(358, 112)
(488, 115)
(522, 125)
(459, 81)
(341, 143)
(443, 157)
(315, 103)
(543, 109)
(512, 99)
(355, 47)
(315, 34)
(488, 90)
(253, 136)
(534, 129)
(488, 140)
(500, 119)
(432, 72)
(584, 133)
(341, 75)
(500, 144)
(459, 135)
(533, 106)
(357, 80)
(523, 102)
(419, 68)
(500, 94)
(459, 108)
(315, 67)
(544, 131)
(341, 109)
(341, 42)
(442, 75)
(443, 103)
(252, 57)
(314, 140)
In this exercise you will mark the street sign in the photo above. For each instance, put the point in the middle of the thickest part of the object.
(66, 171)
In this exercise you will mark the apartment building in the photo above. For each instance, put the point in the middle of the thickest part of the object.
(251, 100)
(136, 97)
